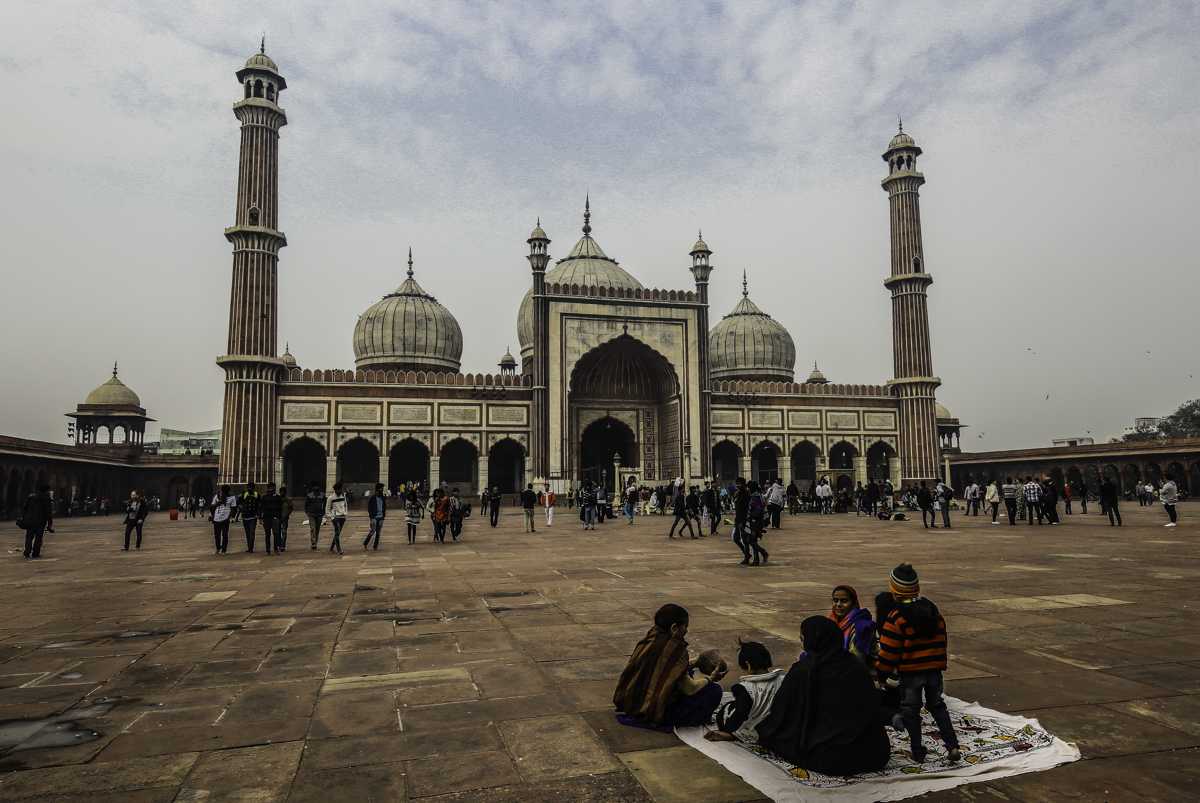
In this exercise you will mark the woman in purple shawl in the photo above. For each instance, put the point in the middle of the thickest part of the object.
(858, 631)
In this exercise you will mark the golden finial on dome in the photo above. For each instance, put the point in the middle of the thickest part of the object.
(587, 214)
(410, 272)
(745, 292)
(114, 369)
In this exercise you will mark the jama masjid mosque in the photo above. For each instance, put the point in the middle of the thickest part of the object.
(613, 378)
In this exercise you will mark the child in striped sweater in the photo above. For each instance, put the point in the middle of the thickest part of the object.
(913, 643)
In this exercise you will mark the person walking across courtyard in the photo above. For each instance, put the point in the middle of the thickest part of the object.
(992, 497)
(528, 503)
(286, 507)
(223, 505)
(336, 508)
(776, 499)
(413, 512)
(1108, 501)
(376, 511)
(546, 500)
(135, 516)
(270, 508)
(925, 502)
(248, 508)
(314, 508)
(631, 501)
(458, 510)
(37, 512)
(587, 505)
(1168, 494)
(494, 501)
(681, 514)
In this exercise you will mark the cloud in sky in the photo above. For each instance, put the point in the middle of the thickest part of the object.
(1059, 214)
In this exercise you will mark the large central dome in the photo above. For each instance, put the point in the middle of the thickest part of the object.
(408, 331)
(586, 265)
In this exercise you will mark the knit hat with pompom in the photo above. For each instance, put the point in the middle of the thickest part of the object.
(904, 581)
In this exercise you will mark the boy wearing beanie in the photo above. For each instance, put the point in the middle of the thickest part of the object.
(913, 643)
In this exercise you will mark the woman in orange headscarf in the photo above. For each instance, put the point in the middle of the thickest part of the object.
(858, 630)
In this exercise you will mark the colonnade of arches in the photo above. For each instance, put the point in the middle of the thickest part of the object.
(358, 465)
(804, 465)
(1125, 475)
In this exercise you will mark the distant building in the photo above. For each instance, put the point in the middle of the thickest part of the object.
(1073, 441)
(1139, 424)
(176, 441)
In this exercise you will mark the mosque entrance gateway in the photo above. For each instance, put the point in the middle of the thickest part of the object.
(624, 400)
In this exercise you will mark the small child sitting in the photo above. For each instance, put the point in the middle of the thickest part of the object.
(913, 643)
(752, 696)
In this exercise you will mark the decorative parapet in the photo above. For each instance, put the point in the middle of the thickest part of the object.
(638, 294)
(796, 389)
(361, 377)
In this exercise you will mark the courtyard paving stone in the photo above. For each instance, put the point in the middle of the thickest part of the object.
(482, 671)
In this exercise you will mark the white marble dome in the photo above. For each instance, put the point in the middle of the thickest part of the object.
(749, 345)
(408, 330)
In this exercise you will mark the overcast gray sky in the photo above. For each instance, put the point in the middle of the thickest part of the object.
(1060, 213)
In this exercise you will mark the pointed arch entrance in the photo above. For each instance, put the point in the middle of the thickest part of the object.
(604, 442)
(408, 463)
(632, 393)
(303, 464)
(506, 466)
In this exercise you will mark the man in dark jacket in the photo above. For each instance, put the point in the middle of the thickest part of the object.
(681, 514)
(314, 508)
(1108, 501)
(135, 517)
(248, 507)
(925, 502)
(713, 505)
(37, 512)
(376, 511)
(741, 512)
(494, 500)
(270, 508)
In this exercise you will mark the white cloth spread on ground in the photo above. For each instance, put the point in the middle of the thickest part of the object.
(994, 745)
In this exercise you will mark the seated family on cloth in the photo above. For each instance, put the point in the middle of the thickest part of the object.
(828, 712)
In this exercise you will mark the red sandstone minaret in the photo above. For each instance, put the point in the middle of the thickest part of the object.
(915, 383)
(251, 367)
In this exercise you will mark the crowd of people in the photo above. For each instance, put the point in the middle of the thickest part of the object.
(856, 676)
(697, 510)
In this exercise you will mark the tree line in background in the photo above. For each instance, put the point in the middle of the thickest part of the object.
(1183, 423)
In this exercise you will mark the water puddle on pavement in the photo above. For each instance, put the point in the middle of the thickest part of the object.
(58, 731)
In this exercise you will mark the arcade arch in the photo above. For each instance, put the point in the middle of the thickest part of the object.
(408, 463)
(303, 464)
(506, 466)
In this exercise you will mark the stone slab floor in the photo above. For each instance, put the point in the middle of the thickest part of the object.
(482, 670)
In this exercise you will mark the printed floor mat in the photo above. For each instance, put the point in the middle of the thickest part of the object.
(994, 745)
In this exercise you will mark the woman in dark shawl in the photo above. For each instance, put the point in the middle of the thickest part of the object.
(825, 716)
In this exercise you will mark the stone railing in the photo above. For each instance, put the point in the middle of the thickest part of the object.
(796, 389)
(359, 377)
(591, 291)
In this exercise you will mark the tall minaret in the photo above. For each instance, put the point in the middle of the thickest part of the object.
(701, 269)
(248, 438)
(915, 383)
(539, 446)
